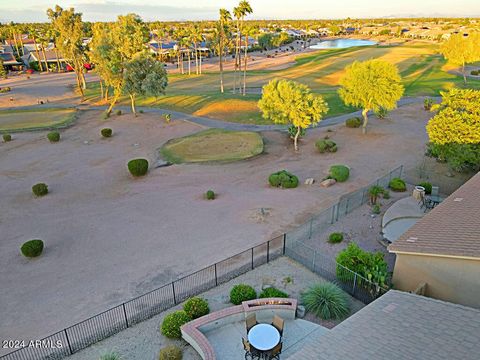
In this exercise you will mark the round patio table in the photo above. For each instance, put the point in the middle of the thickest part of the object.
(263, 337)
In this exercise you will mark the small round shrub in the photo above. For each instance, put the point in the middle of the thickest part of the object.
(335, 238)
(354, 122)
(110, 356)
(171, 352)
(53, 136)
(272, 292)
(374, 192)
(32, 248)
(106, 132)
(376, 209)
(242, 292)
(283, 179)
(210, 195)
(172, 322)
(386, 194)
(40, 189)
(340, 173)
(475, 72)
(196, 307)
(326, 145)
(7, 137)
(326, 300)
(427, 186)
(118, 112)
(138, 167)
(397, 184)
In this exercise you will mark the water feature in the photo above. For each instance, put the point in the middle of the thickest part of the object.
(341, 44)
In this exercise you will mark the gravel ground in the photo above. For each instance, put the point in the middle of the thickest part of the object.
(144, 340)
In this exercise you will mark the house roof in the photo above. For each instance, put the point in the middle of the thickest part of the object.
(8, 59)
(450, 229)
(50, 55)
(397, 326)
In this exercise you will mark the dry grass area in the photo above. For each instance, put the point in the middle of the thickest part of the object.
(222, 110)
(21, 120)
(213, 145)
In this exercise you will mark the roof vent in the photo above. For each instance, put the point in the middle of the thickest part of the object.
(458, 199)
(411, 239)
(390, 308)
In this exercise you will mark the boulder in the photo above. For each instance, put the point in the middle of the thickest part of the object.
(309, 181)
(328, 182)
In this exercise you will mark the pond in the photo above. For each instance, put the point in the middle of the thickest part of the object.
(341, 44)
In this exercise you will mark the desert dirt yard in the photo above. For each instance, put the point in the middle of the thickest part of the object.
(109, 237)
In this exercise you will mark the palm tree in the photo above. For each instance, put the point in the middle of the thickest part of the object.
(225, 18)
(52, 34)
(237, 12)
(32, 31)
(196, 39)
(44, 41)
(246, 10)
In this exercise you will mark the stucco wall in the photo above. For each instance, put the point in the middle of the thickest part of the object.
(449, 279)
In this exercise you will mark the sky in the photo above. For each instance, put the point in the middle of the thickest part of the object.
(107, 10)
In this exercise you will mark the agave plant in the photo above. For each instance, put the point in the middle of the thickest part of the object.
(326, 300)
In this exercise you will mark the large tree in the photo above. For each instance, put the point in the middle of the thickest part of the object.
(371, 85)
(289, 102)
(222, 25)
(246, 10)
(460, 50)
(454, 131)
(144, 76)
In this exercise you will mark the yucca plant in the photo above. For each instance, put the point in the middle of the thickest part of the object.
(326, 300)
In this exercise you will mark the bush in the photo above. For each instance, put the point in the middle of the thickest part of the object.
(242, 292)
(427, 104)
(7, 137)
(475, 72)
(53, 136)
(283, 179)
(355, 122)
(397, 184)
(110, 356)
(106, 132)
(167, 117)
(340, 173)
(326, 146)
(5, 90)
(172, 322)
(272, 292)
(196, 307)
(459, 157)
(210, 195)
(376, 209)
(381, 113)
(375, 191)
(335, 238)
(427, 186)
(326, 300)
(138, 167)
(118, 112)
(292, 131)
(386, 194)
(32, 248)
(170, 352)
(40, 189)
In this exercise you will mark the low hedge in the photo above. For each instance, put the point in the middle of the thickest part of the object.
(242, 292)
(138, 167)
(170, 352)
(427, 186)
(40, 189)
(354, 122)
(335, 238)
(172, 322)
(272, 292)
(196, 307)
(397, 184)
(53, 136)
(32, 248)
(7, 137)
(340, 173)
(326, 145)
(283, 179)
(106, 132)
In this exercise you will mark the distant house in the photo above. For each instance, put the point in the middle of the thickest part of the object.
(350, 30)
(296, 34)
(9, 61)
(442, 250)
(53, 58)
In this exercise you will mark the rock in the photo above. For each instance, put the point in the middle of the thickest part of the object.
(161, 163)
(86, 142)
(328, 182)
(309, 181)
(300, 311)
(135, 145)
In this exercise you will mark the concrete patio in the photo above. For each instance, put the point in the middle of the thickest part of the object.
(227, 340)
(400, 217)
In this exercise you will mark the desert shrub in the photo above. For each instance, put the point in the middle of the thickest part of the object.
(427, 104)
(374, 192)
(326, 300)
(242, 292)
(397, 184)
(40, 189)
(475, 72)
(32, 248)
(167, 117)
(371, 266)
(339, 172)
(138, 167)
(118, 112)
(354, 122)
(386, 194)
(7, 137)
(459, 157)
(140, 111)
(5, 89)
(292, 131)
(283, 179)
(196, 307)
(427, 186)
(106, 132)
(376, 209)
(381, 113)
(326, 146)
(172, 322)
(53, 136)
(110, 356)
(272, 292)
(335, 238)
(210, 195)
(171, 352)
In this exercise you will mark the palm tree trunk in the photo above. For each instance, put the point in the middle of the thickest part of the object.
(221, 65)
(189, 63)
(45, 58)
(14, 35)
(58, 60)
(107, 88)
(365, 120)
(200, 60)
(101, 89)
(464, 74)
(245, 66)
(196, 59)
(112, 104)
(38, 54)
(132, 100)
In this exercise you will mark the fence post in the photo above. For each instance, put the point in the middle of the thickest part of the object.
(125, 313)
(284, 242)
(268, 251)
(252, 258)
(313, 261)
(68, 341)
(354, 283)
(174, 296)
(401, 171)
(216, 279)
(363, 196)
(346, 207)
(310, 231)
(338, 208)
(333, 214)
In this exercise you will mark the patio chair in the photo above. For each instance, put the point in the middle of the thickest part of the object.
(250, 351)
(435, 191)
(276, 351)
(251, 321)
(427, 204)
(278, 323)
